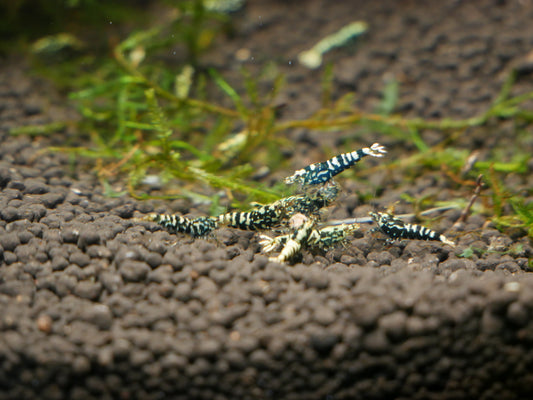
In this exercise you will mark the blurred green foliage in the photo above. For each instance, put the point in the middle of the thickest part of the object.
(24, 21)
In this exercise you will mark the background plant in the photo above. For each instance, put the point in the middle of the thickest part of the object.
(151, 120)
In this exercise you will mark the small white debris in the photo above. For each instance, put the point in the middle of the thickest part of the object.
(512, 286)
(312, 58)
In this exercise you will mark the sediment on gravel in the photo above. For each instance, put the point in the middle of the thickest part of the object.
(94, 304)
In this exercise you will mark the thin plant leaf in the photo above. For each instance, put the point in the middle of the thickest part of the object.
(229, 91)
(38, 130)
(390, 97)
(107, 87)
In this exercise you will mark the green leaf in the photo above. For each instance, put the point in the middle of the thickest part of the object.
(467, 253)
(390, 97)
(418, 141)
(230, 92)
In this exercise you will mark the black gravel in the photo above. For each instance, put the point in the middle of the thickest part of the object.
(96, 305)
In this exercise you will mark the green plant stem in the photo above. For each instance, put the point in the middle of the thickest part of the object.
(38, 130)
(358, 117)
(218, 181)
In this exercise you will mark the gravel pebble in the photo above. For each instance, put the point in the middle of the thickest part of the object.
(99, 315)
(376, 342)
(88, 237)
(134, 271)
(9, 241)
(9, 214)
(88, 290)
(9, 257)
(35, 186)
(323, 342)
(79, 258)
(208, 348)
(260, 359)
(453, 265)
(16, 185)
(59, 263)
(394, 325)
(99, 251)
(324, 315)
(509, 266)
(316, 279)
(5, 177)
(110, 281)
(70, 235)
(25, 236)
(53, 199)
(125, 211)
(381, 257)
(153, 259)
(518, 314)
(25, 253)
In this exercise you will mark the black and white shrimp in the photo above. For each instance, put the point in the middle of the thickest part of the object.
(264, 217)
(332, 235)
(261, 218)
(323, 172)
(195, 227)
(395, 228)
(323, 238)
(309, 203)
(302, 228)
